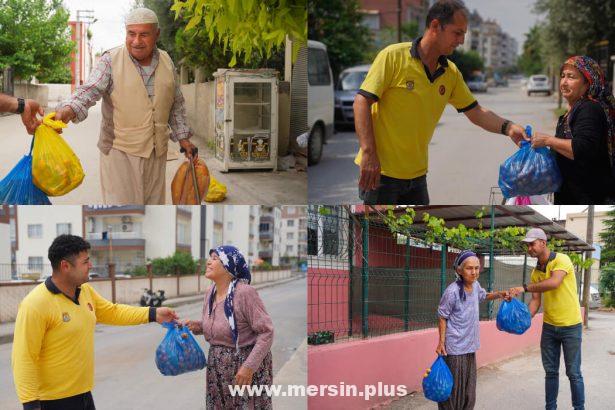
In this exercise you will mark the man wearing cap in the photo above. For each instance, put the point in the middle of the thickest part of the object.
(142, 108)
(53, 342)
(562, 324)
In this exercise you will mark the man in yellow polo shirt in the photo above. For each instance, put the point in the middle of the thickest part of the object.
(402, 99)
(53, 343)
(562, 324)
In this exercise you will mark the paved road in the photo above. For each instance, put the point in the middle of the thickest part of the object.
(126, 375)
(464, 160)
(518, 383)
(243, 187)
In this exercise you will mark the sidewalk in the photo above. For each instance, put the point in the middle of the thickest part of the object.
(518, 383)
(243, 187)
(7, 328)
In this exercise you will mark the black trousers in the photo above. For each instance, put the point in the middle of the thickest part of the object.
(83, 401)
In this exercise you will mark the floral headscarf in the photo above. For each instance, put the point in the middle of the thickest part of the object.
(599, 93)
(458, 262)
(235, 264)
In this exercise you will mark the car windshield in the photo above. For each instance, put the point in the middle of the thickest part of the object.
(351, 81)
(477, 78)
(540, 78)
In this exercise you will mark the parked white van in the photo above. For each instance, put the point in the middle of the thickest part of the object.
(321, 100)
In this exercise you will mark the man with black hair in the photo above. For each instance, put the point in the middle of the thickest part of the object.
(401, 101)
(53, 343)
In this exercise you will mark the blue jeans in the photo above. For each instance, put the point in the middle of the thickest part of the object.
(552, 341)
(393, 191)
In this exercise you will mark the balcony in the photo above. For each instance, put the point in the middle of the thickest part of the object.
(90, 210)
(265, 254)
(133, 240)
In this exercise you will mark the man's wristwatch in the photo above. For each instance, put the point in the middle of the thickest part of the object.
(21, 106)
(525, 287)
(504, 128)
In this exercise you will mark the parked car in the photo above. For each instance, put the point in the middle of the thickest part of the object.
(500, 80)
(348, 84)
(594, 297)
(477, 83)
(538, 83)
(320, 100)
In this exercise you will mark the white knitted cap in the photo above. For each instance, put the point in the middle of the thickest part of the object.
(141, 16)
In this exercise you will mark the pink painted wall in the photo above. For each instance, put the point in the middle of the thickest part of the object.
(399, 359)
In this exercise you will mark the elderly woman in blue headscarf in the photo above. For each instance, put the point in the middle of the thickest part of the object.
(458, 325)
(239, 331)
(584, 141)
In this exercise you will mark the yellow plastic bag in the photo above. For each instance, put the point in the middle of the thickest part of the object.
(217, 191)
(56, 170)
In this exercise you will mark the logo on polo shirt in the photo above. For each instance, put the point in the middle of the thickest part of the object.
(65, 317)
(410, 85)
(90, 307)
(442, 90)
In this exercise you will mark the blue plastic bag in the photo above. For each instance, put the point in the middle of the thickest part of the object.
(179, 352)
(529, 171)
(17, 187)
(513, 317)
(438, 381)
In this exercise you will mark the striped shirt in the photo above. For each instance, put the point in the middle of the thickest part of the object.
(100, 84)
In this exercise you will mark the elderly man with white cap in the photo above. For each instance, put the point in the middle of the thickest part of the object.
(142, 108)
(562, 327)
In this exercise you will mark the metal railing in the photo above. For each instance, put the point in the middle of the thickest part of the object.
(365, 281)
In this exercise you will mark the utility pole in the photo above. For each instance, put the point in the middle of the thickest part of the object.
(399, 21)
(587, 274)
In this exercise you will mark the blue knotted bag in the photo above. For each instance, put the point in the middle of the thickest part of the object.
(438, 382)
(513, 317)
(179, 352)
(529, 171)
(17, 188)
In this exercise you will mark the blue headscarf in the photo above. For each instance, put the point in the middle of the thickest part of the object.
(235, 264)
(458, 261)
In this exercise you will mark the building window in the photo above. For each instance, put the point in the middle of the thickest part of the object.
(229, 226)
(35, 231)
(183, 234)
(35, 263)
(290, 235)
(63, 229)
(290, 248)
(290, 223)
(264, 227)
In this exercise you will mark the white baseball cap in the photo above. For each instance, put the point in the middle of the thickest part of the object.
(533, 234)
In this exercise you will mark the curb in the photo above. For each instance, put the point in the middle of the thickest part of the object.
(8, 338)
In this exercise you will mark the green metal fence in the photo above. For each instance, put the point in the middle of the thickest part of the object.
(365, 281)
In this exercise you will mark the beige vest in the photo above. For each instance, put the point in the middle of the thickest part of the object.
(141, 125)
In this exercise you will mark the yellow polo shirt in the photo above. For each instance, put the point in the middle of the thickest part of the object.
(560, 306)
(409, 105)
(53, 342)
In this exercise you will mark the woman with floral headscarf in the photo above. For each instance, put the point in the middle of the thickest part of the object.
(239, 331)
(458, 326)
(584, 141)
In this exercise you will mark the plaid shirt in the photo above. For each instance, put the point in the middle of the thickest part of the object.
(100, 83)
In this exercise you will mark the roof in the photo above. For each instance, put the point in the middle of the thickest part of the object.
(504, 215)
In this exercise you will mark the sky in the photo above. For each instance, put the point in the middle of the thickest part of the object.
(108, 31)
(514, 16)
(552, 211)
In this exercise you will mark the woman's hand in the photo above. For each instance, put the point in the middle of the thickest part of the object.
(440, 349)
(244, 376)
(540, 140)
(194, 326)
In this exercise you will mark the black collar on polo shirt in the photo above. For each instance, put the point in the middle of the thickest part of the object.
(543, 268)
(414, 53)
(51, 287)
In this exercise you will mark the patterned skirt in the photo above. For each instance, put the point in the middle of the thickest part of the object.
(463, 396)
(223, 362)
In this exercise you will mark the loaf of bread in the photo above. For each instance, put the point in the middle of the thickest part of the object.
(182, 187)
